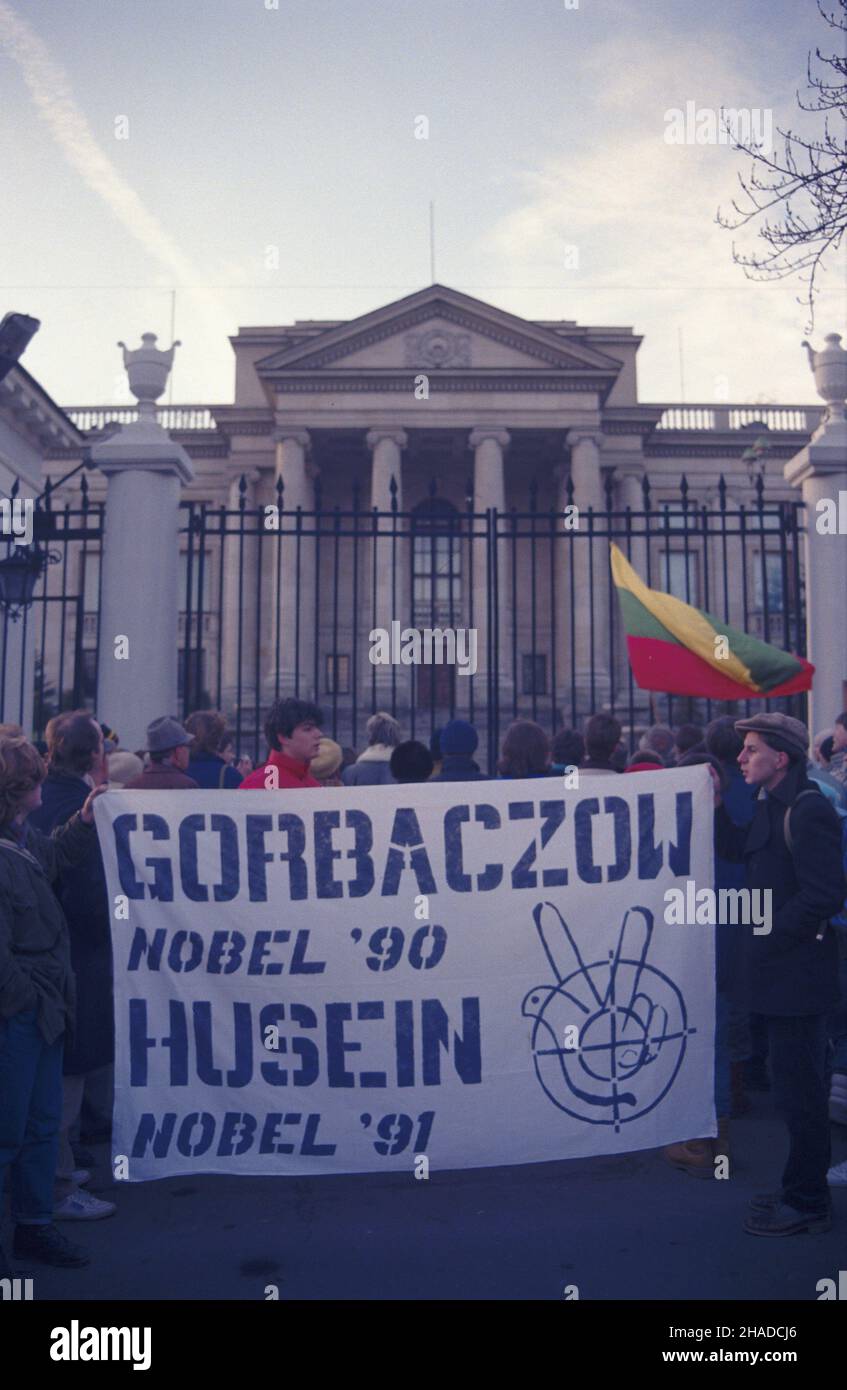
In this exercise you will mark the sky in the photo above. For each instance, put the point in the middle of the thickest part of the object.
(262, 159)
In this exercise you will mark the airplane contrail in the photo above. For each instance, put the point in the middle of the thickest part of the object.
(53, 96)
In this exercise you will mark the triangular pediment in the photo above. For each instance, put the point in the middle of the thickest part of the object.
(434, 329)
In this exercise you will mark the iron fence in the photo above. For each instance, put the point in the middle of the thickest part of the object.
(540, 596)
(279, 601)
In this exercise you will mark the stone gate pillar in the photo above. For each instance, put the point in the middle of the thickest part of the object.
(820, 471)
(139, 614)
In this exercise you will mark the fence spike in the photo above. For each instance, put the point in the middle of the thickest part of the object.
(645, 489)
(469, 488)
(760, 490)
(392, 488)
(433, 487)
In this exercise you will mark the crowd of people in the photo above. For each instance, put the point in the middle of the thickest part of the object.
(781, 998)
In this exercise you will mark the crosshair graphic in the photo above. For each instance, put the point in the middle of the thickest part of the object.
(631, 1020)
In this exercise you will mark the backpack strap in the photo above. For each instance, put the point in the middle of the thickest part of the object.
(786, 820)
(221, 776)
(789, 841)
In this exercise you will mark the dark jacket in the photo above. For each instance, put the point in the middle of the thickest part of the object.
(211, 771)
(459, 767)
(730, 960)
(790, 971)
(82, 892)
(35, 948)
(158, 777)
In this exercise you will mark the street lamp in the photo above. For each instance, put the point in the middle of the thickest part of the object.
(19, 574)
(16, 330)
(754, 459)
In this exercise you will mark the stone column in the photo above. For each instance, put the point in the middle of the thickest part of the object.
(238, 632)
(294, 570)
(140, 580)
(489, 443)
(390, 564)
(820, 471)
(591, 575)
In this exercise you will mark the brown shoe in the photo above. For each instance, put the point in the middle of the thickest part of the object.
(693, 1156)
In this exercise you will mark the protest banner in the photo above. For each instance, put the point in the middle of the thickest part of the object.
(346, 980)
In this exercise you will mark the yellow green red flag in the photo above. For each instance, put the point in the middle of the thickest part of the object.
(673, 648)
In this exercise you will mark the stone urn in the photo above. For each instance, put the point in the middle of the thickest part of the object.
(148, 369)
(829, 368)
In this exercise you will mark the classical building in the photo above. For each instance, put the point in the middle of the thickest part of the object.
(471, 432)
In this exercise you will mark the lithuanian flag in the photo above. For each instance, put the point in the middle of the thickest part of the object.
(672, 647)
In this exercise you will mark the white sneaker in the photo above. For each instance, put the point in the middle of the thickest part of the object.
(837, 1176)
(81, 1206)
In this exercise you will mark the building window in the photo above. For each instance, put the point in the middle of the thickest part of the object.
(534, 673)
(679, 575)
(337, 674)
(91, 581)
(773, 580)
(189, 687)
(88, 674)
(436, 564)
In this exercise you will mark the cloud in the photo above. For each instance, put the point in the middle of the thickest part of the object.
(641, 213)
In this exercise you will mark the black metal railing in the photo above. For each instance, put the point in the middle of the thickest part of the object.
(541, 597)
(287, 608)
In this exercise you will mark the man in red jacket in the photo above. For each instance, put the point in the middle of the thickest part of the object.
(293, 732)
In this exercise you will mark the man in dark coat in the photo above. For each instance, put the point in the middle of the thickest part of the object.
(37, 999)
(793, 848)
(75, 750)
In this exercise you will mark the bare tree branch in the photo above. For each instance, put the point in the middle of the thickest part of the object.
(807, 183)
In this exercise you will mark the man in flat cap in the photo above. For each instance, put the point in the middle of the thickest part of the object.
(167, 744)
(793, 848)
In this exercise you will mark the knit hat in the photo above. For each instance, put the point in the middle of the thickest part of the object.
(327, 760)
(784, 733)
(458, 737)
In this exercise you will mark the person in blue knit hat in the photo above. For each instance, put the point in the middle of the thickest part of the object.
(458, 744)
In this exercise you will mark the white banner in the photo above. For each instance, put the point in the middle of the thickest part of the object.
(466, 973)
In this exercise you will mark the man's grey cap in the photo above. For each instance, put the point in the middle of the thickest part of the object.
(786, 734)
(166, 733)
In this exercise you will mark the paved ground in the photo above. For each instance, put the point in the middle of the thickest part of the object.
(624, 1228)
